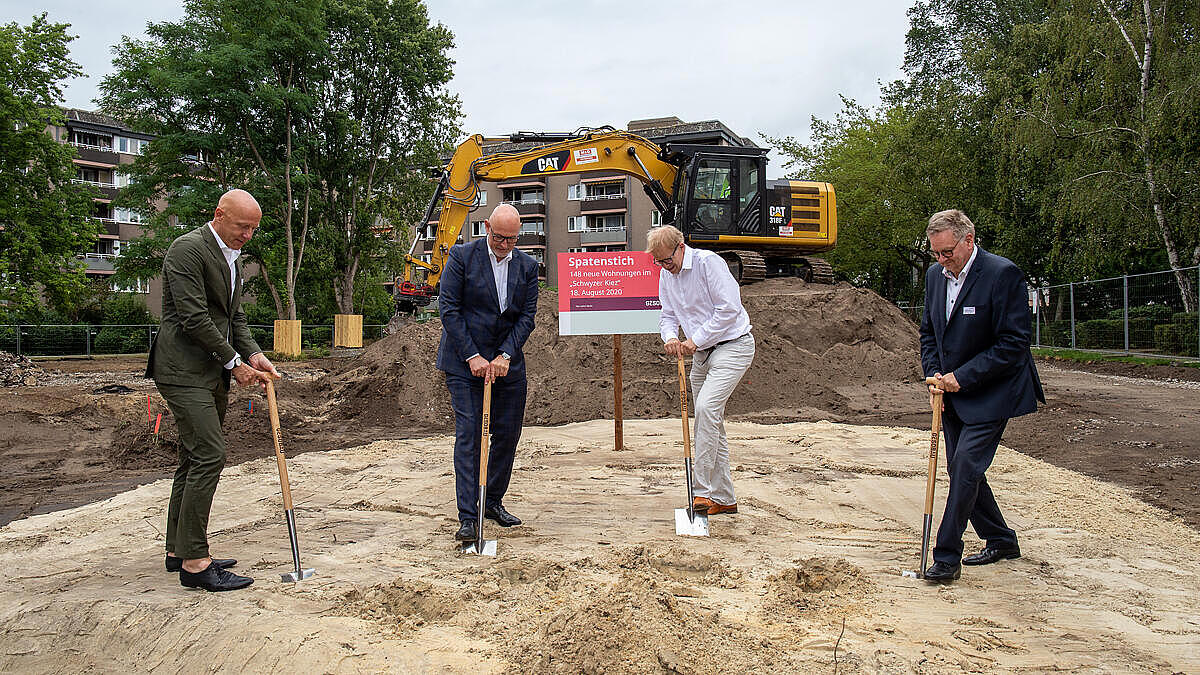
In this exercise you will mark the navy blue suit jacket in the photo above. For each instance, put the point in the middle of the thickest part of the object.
(471, 318)
(985, 343)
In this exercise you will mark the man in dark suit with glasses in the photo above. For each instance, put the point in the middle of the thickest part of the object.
(487, 300)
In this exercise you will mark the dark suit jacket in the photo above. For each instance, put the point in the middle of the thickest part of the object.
(201, 326)
(985, 343)
(470, 309)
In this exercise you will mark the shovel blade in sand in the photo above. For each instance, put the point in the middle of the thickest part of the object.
(489, 548)
(299, 575)
(690, 524)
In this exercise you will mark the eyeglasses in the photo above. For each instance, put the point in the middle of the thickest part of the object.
(946, 252)
(664, 261)
(502, 239)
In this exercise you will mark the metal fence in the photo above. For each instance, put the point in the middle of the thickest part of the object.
(1141, 314)
(89, 340)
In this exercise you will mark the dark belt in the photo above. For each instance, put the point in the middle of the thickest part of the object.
(724, 342)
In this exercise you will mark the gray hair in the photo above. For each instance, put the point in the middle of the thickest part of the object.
(951, 219)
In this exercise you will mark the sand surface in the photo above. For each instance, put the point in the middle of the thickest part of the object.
(805, 578)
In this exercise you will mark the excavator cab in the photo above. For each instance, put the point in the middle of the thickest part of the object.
(723, 193)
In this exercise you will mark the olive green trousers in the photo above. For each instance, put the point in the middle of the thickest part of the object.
(199, 413)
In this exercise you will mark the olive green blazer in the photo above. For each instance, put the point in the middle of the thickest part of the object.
(202, 327)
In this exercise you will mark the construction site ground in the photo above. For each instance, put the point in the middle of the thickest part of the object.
(828, 433)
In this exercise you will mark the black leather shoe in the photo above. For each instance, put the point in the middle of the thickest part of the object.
(939, 571)
(990, 555)
(466, 532)
(502, 517)
(213, 579)
(175, 564)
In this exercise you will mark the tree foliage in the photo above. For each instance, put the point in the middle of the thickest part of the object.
(1067, 130)
(311, 105)
(44, 217)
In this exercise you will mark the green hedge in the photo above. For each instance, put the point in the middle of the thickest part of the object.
(1176, 338)
(1100, 334)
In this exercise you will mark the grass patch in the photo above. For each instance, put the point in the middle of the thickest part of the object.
(1083, 356)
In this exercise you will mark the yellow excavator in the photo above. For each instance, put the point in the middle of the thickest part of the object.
(718, 196)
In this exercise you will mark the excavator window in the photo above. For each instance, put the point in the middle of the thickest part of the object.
(713, 208)
(712, 179)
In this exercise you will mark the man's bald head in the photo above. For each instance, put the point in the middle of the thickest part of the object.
(503, 227)
(236, 217)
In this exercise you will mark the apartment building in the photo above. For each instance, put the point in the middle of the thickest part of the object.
(102, 146)
(582, 212)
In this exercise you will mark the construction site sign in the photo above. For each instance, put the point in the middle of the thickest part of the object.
(610, 293)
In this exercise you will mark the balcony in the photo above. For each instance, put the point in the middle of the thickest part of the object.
(109, 227)
(603, 204)
(95, 153)
(531, 239)
(101, 263)
(530, 207)
(107, 190)
(608, 235)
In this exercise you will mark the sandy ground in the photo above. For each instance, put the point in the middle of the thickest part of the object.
(804, 579)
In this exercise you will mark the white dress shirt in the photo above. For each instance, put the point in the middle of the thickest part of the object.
(703, 299)
(500, 272)
(954, 284)
(231, 257)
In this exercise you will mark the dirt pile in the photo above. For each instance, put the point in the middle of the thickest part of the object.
(18, 371)
(819, 350)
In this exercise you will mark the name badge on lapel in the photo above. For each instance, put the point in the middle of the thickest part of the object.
(968, 310)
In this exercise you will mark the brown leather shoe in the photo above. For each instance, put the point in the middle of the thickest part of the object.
(702, 504)
(722, 508)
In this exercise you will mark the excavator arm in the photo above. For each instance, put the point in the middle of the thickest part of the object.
(587, 152)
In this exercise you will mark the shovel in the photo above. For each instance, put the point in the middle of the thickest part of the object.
(927, 523)
(688, 521)
(300, 572)
(483, 546)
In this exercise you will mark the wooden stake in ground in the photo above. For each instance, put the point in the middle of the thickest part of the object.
(618, 443)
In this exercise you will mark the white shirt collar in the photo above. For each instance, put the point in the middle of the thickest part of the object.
(966, 268)
(687, 258)
(230, 254)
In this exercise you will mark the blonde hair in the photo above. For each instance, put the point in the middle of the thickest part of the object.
(663, 238)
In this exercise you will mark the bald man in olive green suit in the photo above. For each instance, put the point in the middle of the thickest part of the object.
(202, 342)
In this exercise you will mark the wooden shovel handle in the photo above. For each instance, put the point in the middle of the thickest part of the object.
(485, 433)
(683, 410)
(273, 410)
(936, 429)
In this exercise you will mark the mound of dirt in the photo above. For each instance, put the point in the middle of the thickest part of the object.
(818, 347)
(18, 371)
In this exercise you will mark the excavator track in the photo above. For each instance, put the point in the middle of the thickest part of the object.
(746, 266)
(822, 272)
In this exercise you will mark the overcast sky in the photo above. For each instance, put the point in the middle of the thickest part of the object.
(553, 65)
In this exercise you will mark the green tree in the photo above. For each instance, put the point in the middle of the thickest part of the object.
(44, 217)
(317, 107)
(226, 92)
(381, 110)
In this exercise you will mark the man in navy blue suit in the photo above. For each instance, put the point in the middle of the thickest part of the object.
(975, 341)
(487, 302)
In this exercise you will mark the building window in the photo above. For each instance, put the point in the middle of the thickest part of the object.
(536, 253)
(127, 216)
(141, 147)
(83, 139)
(576, 192)
(608, 223)
(604, 248)
(524, 196)
(576, 249)
(477, 228)
(482, 198)
(122, 144)
(533, 227)
(605, 190)
(576, 223)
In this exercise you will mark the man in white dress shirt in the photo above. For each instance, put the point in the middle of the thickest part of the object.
(701, 297)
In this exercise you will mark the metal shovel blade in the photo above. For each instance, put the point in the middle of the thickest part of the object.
(911, 574)
(691, 524)
(472, 548)
(293, 577)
